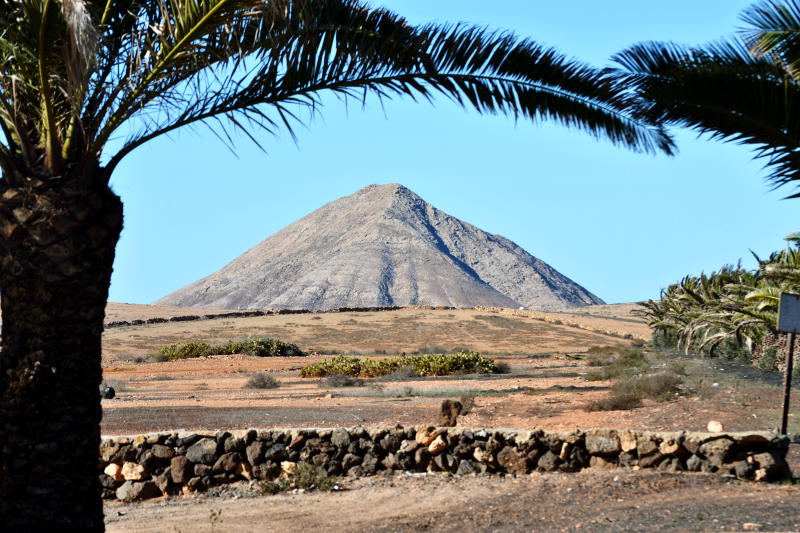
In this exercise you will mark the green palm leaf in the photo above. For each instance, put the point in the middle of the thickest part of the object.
(721, 90)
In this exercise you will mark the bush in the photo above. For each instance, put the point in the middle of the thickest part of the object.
(261, 347)
(768, 361)
(186, 350)
(659, 386)
(421, 365)
(502, 368)
(261, 380)
(467, 404)
(303, 476)
(621, 362)
(340, 380)
(732, 350)
(615, 402)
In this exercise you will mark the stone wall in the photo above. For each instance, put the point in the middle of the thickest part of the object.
(150, 465)
(776, 345)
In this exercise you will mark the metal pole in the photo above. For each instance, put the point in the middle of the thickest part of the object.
(787, 385)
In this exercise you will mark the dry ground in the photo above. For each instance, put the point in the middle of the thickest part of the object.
(547, 388)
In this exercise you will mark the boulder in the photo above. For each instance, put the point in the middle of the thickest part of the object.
(134, 472)
(695, 463)
(771, 467)
(437, 445)
(203, 451)
(350, 460)
(114, 471)
(425, 436)
(159, 451)
(163, 481)
(234, 444)
(370, 463)
(484, 457)
(408, 446)
(465, 467)
(340, 438)
(602, 442)
(646, 446)
(227, 463)
(448, 415)
(597, 462)
(244, 470)
(255, 452)
(627, 440)
(132, 491)
(513, 461)
(444, 462)
(181, 469)
(548, 462)
(718, 451)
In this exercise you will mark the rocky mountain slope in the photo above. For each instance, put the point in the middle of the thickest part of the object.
(383, 246)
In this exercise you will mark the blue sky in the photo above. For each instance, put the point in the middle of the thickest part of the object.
(622, 224)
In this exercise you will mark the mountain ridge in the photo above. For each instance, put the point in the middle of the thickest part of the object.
(380, 246)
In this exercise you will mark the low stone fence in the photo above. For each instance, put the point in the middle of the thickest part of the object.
(152, 465)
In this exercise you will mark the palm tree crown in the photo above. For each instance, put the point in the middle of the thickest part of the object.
(72, 73)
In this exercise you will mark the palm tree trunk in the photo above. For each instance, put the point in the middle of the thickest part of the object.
(56, 253)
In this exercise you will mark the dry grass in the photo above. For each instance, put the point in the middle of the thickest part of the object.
(261, 380)
(615, 402)
(405, 330)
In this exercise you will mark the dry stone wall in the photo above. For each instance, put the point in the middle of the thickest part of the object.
(152, 465)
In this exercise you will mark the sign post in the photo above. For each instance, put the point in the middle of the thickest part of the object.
(788, 322)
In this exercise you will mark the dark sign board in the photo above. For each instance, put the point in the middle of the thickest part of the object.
(789, 313)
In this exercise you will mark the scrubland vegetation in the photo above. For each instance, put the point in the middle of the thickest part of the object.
(262, 347)
(420, 365)
(636, 374)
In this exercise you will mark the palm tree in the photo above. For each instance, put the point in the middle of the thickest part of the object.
(745, 90)
(75, 74)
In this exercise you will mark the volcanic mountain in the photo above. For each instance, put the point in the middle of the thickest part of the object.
(382, 246)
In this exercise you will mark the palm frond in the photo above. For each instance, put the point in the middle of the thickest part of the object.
(721, 90)
(775, 30)
(268, 60)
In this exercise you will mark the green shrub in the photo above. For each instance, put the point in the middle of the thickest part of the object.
(421, 365)
(769, 359)
(732, 350)
(261, 347)
(261, 380)
(304, 476)
(186, 350)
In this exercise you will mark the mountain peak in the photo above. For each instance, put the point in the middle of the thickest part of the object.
(380, 246)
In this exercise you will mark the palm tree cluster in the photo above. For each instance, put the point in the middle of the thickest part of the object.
(732, 312)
